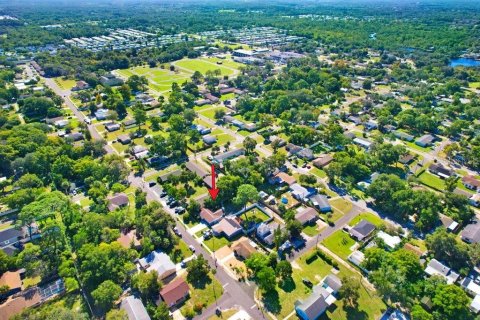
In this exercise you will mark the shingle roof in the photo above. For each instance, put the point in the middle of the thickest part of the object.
(362, 230)
(134, 308)
(174, 291)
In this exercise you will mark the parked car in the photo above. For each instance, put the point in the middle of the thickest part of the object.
(163, 194)
(151, 183)
(183, 264)
(207, 234)
(179, 210)
(173, 204)
(192, 248)
(176, 231)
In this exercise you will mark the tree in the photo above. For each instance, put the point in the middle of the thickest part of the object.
(147, 284)
(246, 193)
(349, 290)
(249, 144)
(284, 270)
(161, 312)
(445, 247)
(219, 114)
(139, 114)
(125, 92)
(266, 279)
(115, 314)
(418, 313)
(451, 302)
(197, 269)
(106, 294)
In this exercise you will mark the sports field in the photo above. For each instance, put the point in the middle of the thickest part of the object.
(161, 80)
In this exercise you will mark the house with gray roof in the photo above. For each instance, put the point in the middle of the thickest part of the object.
(220, 158)
(134, 308)
(362, 230)
(425, 140)
(321, 203)
(436, 268)
(471, 233)
(323, 296)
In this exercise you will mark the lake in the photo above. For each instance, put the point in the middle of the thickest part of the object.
(464, 62)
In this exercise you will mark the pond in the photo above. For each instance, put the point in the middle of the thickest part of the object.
(464, 62)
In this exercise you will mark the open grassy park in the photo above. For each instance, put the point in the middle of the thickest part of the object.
(161, 79)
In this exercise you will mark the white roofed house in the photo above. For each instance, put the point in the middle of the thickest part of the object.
(134, 308)
(158, 261)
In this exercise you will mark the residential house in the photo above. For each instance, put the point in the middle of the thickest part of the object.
(129, 239)
(448, 223)
(322, 161)
(134, 308)
(124, 139)
(119, 200)
(80, 85)
(470, 286)
(321, 203)
(471, 183)
(301, 193)
(211, 97)
(414, 249)
(474, 200)
(306, 216)
(229, 226)
(111, 127)
(390, 241)
(110, 80)
(158, 261)
(202, 129)
(406, 159)
(371, 125)
(471, 233)
(139, 152)
(356, 257)
(210, 217)
(306, 154)
(292, 149)
(436, 268)
(441, 171)
(22, 300)
(364, 143)
(265, 232)
(403, 136)
(209, 139)
(9, 238)
(281, 178)
(199, 171)
(356, 120)
(220, 158)
(175, 292)
(362, 230)
(101, 114)
(127, 124)
(12, 280)
(75, 136)
(475, 305)
(243, 248)
(320, 299)
(425, 140)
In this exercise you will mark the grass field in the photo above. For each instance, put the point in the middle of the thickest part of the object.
(65, 84)
(341, 204)
(474, 85)
(161, 80)
(204, 293)
(215, 243)
(376, 220)
(339, 243)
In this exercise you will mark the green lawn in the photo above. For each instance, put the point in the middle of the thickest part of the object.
(180, 251)
(255, 215)
(210, 113)
(204, 293)
(65, 84)
(202, 65)
(417, 147)
(318, 172)
(341, 204)
(474, 85)
(311, 230)
(339, 243)
(376, 220)
(215, 243)
(432, 181)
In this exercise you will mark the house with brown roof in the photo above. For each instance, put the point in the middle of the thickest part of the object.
(199, 171)
(282, 177)
(243, 248)
(322, 161)
(26, 299)
(175, 292)
(211, 217)
(119, 200)
(129, 239)
(471, 183)
(229, 227)
(13, 281)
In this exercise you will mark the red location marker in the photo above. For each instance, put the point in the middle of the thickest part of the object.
(214, 191)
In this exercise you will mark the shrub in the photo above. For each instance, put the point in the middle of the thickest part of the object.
(311, 257)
